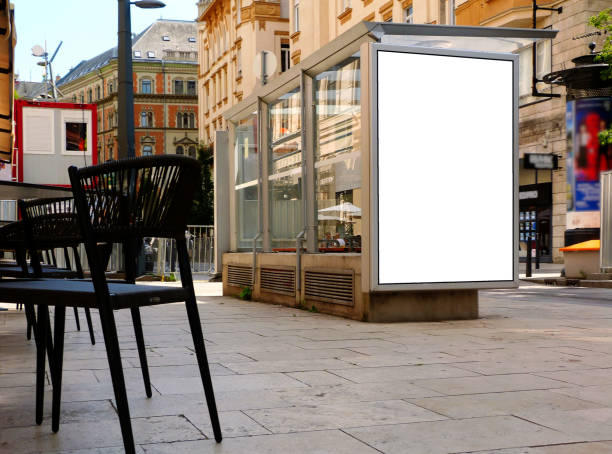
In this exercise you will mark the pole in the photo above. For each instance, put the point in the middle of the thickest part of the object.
(528, 264)
(451, 15)
(125, 130)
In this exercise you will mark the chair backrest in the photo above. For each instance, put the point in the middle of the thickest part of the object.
(135, 198)
(50, 223)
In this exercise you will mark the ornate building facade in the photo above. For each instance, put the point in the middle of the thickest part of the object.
(233, 33)
(545, 195)
(165, 67)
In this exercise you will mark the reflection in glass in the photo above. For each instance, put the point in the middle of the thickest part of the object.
(246, 178)
(285, 178)
(338, 158)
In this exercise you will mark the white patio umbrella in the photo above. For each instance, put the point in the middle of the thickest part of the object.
(346, 207)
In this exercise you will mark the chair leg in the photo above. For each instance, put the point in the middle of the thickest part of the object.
(57, 365)
(109, 330)
(198, 343)
(142, 353)
(76, 317)
(41, 336)
(90, 326)
(31, 319)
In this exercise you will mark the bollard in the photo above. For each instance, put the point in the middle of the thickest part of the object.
(528, 264)
(537, 257)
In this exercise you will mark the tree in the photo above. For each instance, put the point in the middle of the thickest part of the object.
(202, 210)
(603, 21)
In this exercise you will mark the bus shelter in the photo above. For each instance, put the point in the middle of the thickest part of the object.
(377, 179)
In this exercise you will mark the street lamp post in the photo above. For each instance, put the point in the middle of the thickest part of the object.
(125, 132)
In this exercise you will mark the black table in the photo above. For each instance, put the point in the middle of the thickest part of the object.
(12, 190)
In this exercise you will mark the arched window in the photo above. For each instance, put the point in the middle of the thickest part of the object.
(192, 120)
(73, 98)
(82, 98)
(147, 150)
(179, 150)
(179, 120)
(185, 120)
(178, 87)
(146, 86)
(89, 95)
(192, 151)
(110, 86)
(98, 93)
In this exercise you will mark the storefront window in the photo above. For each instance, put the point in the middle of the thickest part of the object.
(246, 179)
(285, 175)
(338, 158)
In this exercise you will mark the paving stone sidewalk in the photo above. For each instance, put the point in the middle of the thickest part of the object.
(533, 375)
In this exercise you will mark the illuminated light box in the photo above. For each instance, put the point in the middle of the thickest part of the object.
(444, 167)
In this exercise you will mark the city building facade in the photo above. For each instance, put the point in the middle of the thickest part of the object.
(545, 127)
(165, 68)
(233, 33)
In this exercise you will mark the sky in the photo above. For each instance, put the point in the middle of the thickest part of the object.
(86, 27)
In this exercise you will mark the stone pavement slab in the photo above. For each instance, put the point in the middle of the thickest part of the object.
(531, 376)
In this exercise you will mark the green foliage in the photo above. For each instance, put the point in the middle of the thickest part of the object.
(605, 137)
(170, 277)
(603, 21)
(246, 293)
(202, 210)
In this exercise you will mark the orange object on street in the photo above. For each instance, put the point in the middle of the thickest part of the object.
(591, 245)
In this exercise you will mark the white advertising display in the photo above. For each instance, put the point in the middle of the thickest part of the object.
(445, 151)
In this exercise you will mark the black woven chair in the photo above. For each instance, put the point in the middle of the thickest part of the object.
(123, 202)
(49, 224)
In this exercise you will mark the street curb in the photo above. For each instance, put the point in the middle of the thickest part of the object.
(565, 282)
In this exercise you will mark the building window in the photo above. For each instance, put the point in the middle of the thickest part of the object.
(146, 119)
(178, 87)
(165, 38)
(239, 62)
(147, 150)
(89, 95)
(296, 16)
(285, 57)
(192, 120)
(151, 54)
(192, 151)
(81, 98)
(246, 176)
(408, 15)
(191, 87)
(74, 98)
(179, 150)
(145, 86)
(137, 54)
(191, 39)
(110, 87)
(98, 93)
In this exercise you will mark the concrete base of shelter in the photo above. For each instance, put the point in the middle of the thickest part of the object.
(332, 284)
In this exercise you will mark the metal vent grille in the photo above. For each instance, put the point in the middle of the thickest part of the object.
(330, 286)
(278, 280)
(239, 276)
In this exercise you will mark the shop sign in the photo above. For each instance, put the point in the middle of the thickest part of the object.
(541, 161)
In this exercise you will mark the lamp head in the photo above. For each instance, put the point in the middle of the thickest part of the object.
(148, 4)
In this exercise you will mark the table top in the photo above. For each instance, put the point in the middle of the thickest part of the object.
(12, 190)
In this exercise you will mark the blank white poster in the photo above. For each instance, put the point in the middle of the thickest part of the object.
(445, 169)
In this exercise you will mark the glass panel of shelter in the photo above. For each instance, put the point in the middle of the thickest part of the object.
(246, 179)
(337, 152)
(285, 173)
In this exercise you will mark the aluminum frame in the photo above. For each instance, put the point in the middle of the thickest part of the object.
(375, 286)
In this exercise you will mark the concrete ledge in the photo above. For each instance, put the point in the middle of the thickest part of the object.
(421, 306)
